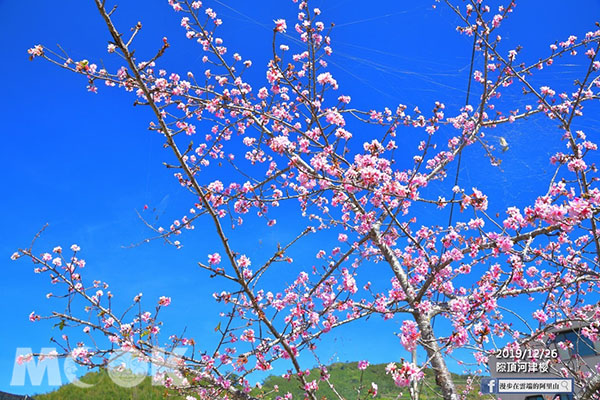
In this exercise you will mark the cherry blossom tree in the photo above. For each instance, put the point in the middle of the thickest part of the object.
(296, 144)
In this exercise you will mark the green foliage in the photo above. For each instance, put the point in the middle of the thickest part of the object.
(104, 388)
(346, 377)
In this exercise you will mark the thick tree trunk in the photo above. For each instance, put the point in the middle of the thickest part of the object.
(442, 375)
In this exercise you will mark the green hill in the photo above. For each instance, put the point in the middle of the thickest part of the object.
(345, 376)
(104, 388)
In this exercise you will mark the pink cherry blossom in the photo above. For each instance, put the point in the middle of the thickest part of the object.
(280, 25)
(164, 301)
(214, 258)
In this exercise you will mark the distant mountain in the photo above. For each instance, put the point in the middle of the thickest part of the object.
(8, 396)
(345, 376)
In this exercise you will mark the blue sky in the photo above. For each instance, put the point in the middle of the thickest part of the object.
(85, 163)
